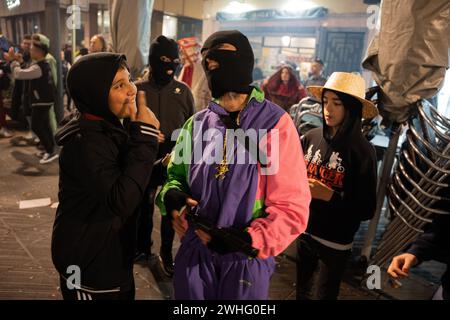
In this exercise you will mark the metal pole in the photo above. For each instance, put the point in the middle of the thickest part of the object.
(74, 36)
(54, 33)
(388, 162)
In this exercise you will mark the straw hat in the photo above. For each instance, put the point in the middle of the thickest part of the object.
(350, 84)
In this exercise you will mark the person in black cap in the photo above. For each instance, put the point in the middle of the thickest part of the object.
(315, 75)
(105, 166)
(173, 104)
(42, 95)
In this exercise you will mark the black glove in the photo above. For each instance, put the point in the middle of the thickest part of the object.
(222, 244)
(174, 200)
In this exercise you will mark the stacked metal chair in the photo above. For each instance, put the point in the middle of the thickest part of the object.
(420, 184)
(307, 115)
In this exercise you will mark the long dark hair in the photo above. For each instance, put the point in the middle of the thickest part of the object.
(353, 115)
(275, 80)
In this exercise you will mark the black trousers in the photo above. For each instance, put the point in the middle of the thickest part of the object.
(69, 100)
(16, 101)
(145, 226)
(319, 269)
(40, 124)
(88, 294)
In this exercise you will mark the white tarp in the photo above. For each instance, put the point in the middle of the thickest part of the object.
(409, 55)
(130, 30)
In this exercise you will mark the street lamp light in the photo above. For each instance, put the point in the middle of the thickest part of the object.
(299, 5)
(238, 7)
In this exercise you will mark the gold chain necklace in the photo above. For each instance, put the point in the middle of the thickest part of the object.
(222, 168)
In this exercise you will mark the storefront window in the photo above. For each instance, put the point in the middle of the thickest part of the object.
(298, 51)
(104, 21)
(170, 25)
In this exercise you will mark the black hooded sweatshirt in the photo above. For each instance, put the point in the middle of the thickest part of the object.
(347, 164)
(104, 170)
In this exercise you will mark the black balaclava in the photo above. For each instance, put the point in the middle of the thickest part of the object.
(162, 46)
(89, 82)
(235, 72)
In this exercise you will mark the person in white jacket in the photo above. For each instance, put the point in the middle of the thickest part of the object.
(192, 72)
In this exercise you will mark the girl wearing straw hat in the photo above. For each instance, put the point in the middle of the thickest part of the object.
(342, 175)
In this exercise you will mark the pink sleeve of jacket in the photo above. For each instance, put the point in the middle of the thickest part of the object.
(287, 194)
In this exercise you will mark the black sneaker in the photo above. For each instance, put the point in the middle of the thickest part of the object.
(19, 142)
(141, 257)
(167, 266)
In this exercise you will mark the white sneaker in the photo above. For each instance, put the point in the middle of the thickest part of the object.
(40, 154)
(4, 133)
(47, 158)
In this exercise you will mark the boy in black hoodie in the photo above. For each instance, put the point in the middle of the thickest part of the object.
(341, 166)
(104, 170)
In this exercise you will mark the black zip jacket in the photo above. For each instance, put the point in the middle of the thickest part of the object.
(104, 170)
(43, 89)
(173, 105)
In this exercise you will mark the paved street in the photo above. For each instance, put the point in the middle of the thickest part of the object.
(26, 270)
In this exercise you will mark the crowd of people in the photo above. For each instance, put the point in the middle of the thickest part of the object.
(130, 146)
(32, 72)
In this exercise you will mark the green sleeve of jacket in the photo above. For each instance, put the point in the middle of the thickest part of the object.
(179, 165)
(52, 63)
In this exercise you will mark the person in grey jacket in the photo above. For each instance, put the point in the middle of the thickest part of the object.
(173, 104)
(42, 91)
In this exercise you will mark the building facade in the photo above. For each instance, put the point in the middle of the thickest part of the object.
(338, 32)
(30, 16)
(177, 19)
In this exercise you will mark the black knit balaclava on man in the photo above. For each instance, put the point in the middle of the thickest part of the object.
(235, 71)
(163, 60)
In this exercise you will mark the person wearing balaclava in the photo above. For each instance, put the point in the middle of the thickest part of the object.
(259, 199)
(173, 104)
(105, 166)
